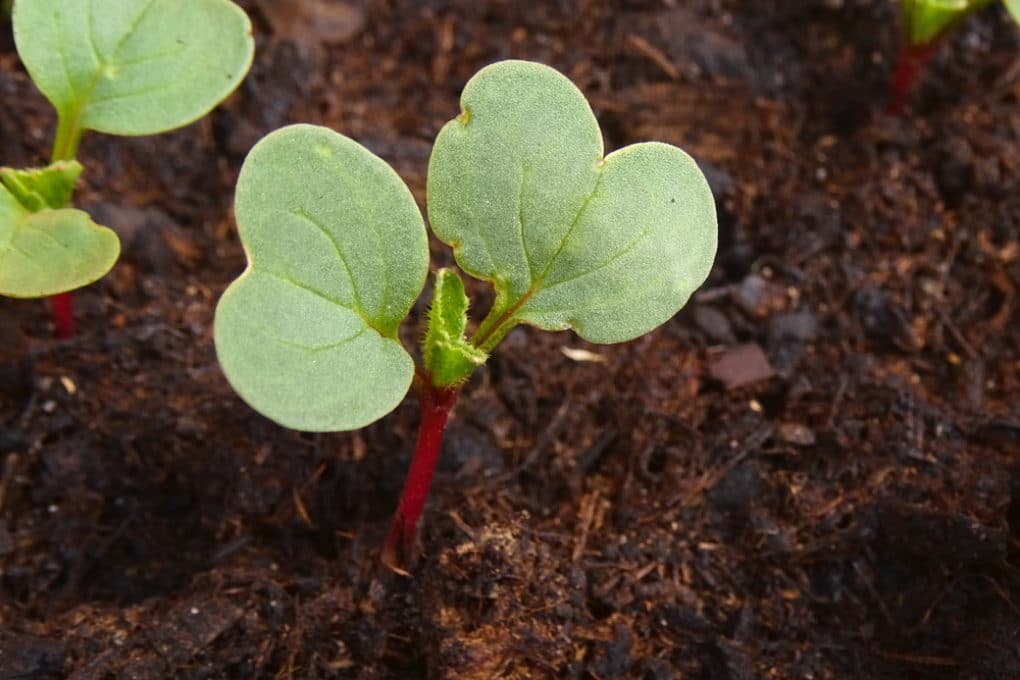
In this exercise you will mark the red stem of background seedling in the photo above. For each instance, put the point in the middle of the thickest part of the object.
(436, 404)
(65, 147)
(62, 306)
(909, 64)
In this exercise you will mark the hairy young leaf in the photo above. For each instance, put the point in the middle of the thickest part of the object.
(133, 67)
(40, 188)
(609, 246)
(449, 358)
(51, 251)
(337, 254)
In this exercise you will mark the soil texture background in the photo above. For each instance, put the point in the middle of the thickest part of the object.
(813, 471)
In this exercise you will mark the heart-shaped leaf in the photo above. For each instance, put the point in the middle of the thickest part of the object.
(609, 246)
(133, 67)
(50, 251)
(337, 254)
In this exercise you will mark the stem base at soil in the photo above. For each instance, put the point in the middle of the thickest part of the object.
(436, 404)
(65, 148)
(909, 64)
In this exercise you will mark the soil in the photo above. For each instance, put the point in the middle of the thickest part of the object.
(813, 471)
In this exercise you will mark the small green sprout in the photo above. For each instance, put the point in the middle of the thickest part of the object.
(519, 186)
(925, 22)
(122, 67)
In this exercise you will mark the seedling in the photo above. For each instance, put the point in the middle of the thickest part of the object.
(609, 246)
(925, 22)
(122, 67)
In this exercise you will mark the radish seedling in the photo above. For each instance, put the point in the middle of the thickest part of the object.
(925, 22)
(122, 67)
(609, 246)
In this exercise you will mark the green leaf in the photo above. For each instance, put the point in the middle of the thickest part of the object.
(449, 358)
(51, 251)
(133, 67)
(39, 188)
(337, 254)
(1014, 9)
(518, 186)
(926, 20)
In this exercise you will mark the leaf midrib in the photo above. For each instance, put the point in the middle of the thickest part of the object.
(81, 101)
(328, 298)
(536, 283)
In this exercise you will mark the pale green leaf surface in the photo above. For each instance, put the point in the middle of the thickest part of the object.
(133, 67)
(52, 251)
(518, 185)
(1014, 9)
(337, 255)
(926, 20)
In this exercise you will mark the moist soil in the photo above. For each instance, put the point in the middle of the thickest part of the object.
(813, 471)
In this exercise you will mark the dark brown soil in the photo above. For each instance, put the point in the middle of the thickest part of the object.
(812, 472)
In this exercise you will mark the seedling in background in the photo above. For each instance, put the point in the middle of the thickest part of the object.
(925, 22)
(123, 67)
(609, 246)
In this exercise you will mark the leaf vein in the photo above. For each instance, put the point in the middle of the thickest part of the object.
(126, 95)
(362, 204)
(624, 251)
(90, 35)
(153, 57)
(303, 215)
(309, 348)
(570, 229)
(132, 27)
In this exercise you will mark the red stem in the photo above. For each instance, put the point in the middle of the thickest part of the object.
(909, 64)
(62, 306)
(436, 404)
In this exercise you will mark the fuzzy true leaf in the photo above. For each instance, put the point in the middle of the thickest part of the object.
(610, 246)
(337, 253)
(449, 357)
(39, 188)
(50, 251)
(133, 67)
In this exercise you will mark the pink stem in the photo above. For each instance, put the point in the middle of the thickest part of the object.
(909, 64)
(62, 306)
(436, 404)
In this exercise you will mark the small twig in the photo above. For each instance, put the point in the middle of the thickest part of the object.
(585, 518)
(463, 526)
(874, 593)
(837, 401)
(8, 474)
(655, 54)
(919, 659)
(548, 435)
(961, 340)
